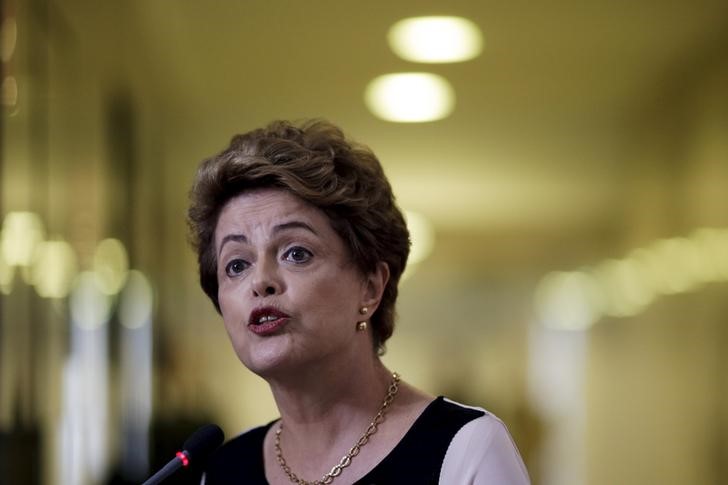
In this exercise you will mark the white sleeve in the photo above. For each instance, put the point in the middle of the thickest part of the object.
(483, 452)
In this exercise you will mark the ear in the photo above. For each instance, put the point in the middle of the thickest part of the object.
(375, 282)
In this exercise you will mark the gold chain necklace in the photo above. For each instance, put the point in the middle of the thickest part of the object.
(346, 459)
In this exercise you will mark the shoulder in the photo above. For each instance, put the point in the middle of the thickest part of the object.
(241, 458)
(482, 451)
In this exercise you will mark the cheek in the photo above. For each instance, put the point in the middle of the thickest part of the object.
(222, 299)
(231, 306)
(335, 297)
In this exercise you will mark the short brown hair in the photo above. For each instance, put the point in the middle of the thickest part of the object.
(315, 162)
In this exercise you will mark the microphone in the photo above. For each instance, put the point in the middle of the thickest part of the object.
(197, 447)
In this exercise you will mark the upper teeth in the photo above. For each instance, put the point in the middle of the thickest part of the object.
(267, 318)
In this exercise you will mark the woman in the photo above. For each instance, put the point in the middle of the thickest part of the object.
(300, 248)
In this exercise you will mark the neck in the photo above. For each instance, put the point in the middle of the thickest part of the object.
(326, 400)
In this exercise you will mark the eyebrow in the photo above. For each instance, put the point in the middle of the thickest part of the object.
(294, 225)
(276, 229)
(231, 237)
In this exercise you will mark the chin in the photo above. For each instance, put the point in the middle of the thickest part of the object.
(265, 358)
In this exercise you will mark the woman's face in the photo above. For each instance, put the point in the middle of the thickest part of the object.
(288, 292)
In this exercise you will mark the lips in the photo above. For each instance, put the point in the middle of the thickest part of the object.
(266, 320)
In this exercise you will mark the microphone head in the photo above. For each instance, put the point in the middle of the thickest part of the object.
(203, 442)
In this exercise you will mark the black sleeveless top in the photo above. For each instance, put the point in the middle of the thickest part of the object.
(417, 458)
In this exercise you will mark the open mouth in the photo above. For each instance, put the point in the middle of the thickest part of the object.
(267, 320)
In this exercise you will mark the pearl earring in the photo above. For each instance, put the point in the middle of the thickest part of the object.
(361, 326)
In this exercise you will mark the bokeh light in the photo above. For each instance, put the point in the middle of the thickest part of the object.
(54, 269)
(137, 298)
(410, 97)
(9, 92)
(90, 307)
(713, 245)
(8, 38)
(625, 287)
(435, 39)
(21, 234)
(7, 274)
(568, 300)
(111, 266)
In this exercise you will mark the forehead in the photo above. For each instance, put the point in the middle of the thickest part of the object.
(263, 209)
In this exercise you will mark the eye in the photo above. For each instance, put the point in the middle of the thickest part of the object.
(235, 267)
(297, 254)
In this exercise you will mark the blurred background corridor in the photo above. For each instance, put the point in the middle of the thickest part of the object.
(565, 180)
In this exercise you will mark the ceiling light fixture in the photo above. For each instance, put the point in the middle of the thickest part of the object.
(435, 39)
(410, 97)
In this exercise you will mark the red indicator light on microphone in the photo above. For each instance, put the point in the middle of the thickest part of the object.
(183, 458)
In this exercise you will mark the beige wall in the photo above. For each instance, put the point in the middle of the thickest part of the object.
(656, 382)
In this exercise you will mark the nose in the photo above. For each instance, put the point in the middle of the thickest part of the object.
(266, 280)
